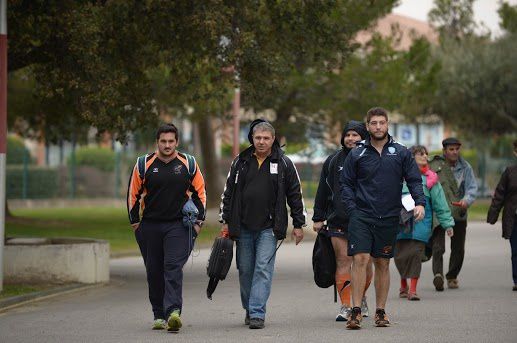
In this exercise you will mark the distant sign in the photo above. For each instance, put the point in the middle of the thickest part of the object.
(407, 134)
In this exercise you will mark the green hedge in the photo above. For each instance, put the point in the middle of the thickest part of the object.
(42, 183)
(100, 158)
(16, 150)
(226, 149)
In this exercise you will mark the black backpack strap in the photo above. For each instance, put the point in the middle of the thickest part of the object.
(191, 165)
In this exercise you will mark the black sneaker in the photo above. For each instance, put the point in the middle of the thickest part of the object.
(256, 323)
(354, 321)
(247, 318)
(381, 319)
(438, 282)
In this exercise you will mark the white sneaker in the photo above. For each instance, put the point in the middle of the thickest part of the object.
(364, 308)
(343, 314)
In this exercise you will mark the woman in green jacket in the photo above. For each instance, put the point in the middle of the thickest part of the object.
(410, 245)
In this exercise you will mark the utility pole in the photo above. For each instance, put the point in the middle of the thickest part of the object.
(3, 129)
(236, 121)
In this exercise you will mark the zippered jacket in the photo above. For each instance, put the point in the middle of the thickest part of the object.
(327, 204)
(372, 182)
(286, 185)
(459, 183)
(435, 204)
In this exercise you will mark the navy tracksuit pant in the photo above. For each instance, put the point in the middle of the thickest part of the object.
(165, 248)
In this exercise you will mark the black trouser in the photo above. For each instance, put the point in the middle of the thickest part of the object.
(513, 244)
(165, 248)
(457, 249)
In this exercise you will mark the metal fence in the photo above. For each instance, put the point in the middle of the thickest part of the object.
(79, 177)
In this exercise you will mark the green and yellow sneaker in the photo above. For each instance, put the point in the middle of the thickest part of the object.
(159, 324)
(174, 321)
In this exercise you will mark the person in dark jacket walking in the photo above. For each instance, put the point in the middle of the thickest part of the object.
(371, 191)
(506, 196)
(160, 191)
(254, 213)
(460, 188)
(328, 207)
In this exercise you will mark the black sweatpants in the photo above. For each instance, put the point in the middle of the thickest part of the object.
(165, 248)
(457, 249)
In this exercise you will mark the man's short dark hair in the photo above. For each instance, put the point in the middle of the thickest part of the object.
(166, 128)
(376, 111)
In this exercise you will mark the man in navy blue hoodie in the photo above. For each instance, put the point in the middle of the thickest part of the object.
(371, 190)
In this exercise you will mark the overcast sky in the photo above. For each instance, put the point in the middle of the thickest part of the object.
(484, 11)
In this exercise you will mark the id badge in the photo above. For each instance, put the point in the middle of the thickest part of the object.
(273, 168)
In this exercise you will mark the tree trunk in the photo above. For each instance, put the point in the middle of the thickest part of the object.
(8, 213)
(283, 114)
(211, 169)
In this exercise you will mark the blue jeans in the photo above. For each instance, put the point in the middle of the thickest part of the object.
(513, 244)
(254, 249)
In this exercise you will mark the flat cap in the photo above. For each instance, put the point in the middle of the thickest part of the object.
(450, 141)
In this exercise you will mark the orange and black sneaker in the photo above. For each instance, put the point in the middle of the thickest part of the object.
(381, 319)
(354, 321)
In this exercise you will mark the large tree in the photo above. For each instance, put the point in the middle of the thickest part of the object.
(476, 89)
(478, 86)
(102, 60)
(283, 49)
(453, 18)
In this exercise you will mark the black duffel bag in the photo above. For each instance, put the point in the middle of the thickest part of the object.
(323, 260)
(219, 263)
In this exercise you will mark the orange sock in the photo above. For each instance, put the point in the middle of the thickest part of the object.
(403, 284)
(412, 285)
(344, 287)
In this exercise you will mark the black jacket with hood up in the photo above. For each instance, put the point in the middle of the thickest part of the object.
(285, 183)
(327, 204)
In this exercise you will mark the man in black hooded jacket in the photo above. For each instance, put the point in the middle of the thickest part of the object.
(328, 206)
(254, 213)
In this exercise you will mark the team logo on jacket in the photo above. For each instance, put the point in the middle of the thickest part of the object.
(177, 169)
(391, 150)
(155, 170)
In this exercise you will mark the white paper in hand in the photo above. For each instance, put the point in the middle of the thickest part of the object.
(408, 202)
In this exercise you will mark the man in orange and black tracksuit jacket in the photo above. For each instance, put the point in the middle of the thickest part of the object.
(164, 241)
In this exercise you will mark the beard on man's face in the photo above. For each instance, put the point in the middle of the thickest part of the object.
(376, 136)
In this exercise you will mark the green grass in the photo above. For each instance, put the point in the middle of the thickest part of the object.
(12, 290)
(479, 209)
(109, 223)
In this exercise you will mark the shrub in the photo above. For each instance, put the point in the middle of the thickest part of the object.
(42, 183)
(100, 158)
(16, 150)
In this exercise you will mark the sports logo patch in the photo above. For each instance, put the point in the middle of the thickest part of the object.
(391, 150)
(177, 169)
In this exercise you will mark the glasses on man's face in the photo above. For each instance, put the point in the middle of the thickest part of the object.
(378, 123)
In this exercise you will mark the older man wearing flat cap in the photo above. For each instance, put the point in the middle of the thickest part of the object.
(460, 187)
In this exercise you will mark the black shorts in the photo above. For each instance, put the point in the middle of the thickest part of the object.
(337, 232)
(367, 234)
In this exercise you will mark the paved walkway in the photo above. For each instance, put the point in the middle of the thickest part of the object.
(484, 309)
